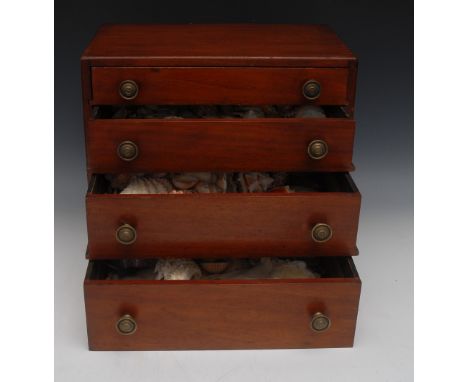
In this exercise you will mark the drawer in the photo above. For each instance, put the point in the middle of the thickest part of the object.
(266, 144)
(223, 314)
(196, 85)
(227, 224)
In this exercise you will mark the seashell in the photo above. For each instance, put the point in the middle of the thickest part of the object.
(158, 175)
(291, 269)
(221, 182)
(205, 188)
(120, 181)
(254, 112)
(214, 266)
(281, 189)
(309, 111)
(177, 269)
(203, 176)
(184, 181)
(255, 181)
(131, 187)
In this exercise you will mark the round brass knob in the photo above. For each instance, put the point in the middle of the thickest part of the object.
(126, 325)
(320, 322)
(127, 151)
(321, 232)
(126, 234)
(128, 89)
(317, 149)
(311, 90)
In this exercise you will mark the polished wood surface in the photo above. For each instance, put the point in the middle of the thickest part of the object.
(204, 86)
(227, 314)
(220, 145)
(217, 45)
(220, 64)
(222, 225)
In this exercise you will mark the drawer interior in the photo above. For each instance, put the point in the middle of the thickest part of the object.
(178, 112)
(208, 182)
(236, 269)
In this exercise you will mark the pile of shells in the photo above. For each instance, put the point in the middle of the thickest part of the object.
(188, 269)
(198, 182)
(217, 111)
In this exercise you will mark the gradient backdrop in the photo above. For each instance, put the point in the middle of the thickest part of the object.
(381, 34)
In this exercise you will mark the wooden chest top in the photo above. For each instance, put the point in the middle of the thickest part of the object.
(218, 45)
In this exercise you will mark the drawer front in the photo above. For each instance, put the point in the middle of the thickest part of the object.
(220, 145)
(221, 315)
(249, 86)
(222, 225)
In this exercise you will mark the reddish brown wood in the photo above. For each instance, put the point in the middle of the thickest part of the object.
(240, 314)
(220, 145)
(217, 45)
(248, 86)
(222, 225)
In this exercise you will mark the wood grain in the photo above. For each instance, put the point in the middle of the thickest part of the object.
(217, 45)
(239, 314)
(220, 145)
(222, 225)
(204, 86)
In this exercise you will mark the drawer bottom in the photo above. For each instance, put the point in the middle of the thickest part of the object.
(142, 314)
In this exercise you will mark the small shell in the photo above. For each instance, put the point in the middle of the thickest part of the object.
(221, 182)
(120, 181)
(309, 111)
(254, 112)
(205, 188)
(214, 266)
(184, 181)
(177, 269)
(203, 176)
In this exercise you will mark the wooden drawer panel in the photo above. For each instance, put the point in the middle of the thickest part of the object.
(223, 225)
(220, 145)
(223, 314)
(247, 86)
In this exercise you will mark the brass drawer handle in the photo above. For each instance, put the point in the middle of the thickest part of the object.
(311, 90)
(320, 322)
(127, 151)
(126, 325)
(126, 234)
(321, 232)
(317, 149)
(128, 89)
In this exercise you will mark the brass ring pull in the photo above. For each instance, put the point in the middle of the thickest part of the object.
(311, 90)
(127, 151)
(126, 234)
(126, 325)
(128, 89)
(317, 149)
(321, 232)
(320, 322)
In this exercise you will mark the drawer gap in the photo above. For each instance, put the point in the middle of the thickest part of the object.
(143, 269)
(282, 183)
(182, 112)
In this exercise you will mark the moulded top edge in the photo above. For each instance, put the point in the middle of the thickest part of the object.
(204, 45)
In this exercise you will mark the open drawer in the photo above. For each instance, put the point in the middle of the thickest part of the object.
(319, 219)
(223, 314)
(144, 143)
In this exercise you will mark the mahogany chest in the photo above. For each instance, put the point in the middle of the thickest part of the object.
(224, 150)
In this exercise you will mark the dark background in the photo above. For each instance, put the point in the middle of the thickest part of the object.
(380, 33)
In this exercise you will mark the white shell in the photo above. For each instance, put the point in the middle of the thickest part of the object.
(309, 111)
(177, 269)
